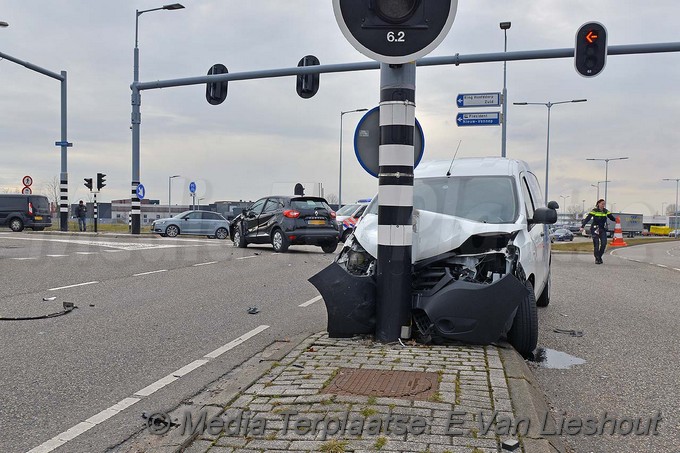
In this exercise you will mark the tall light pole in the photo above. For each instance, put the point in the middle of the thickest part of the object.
(340, 172)
(598, 188)
(135, 204)
(170, 178)
(583, 207)
(504, 26)
(677, 184)
(606, 173)
(547, 146)
(564, 202)
(663, 203)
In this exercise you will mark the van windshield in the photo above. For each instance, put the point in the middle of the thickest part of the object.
(489, 199)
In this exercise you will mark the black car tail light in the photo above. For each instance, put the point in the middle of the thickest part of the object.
(332, 214)
(291, 213)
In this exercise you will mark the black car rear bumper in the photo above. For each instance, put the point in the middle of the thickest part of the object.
(310, 236)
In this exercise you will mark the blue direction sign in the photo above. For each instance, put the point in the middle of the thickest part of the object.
(192, 187)
(68, 144)
(141, 191)
(479, 119)
(479, 100)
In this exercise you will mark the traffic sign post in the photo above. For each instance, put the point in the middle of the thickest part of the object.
(26, 191)
(192, 191)
(479, 119)
(478, 100)
(27, 180)
(141, 191)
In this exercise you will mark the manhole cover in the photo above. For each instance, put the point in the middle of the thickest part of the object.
(415, 385)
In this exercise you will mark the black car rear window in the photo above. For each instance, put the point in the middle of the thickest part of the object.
(309, 204)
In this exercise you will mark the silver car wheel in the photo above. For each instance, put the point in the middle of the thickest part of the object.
(172, 231)
(221, 233)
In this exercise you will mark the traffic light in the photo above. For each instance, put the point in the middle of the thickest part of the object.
(216, 93)
(88, 183)
(395, 31)
(307, 84)
(590, 55)
(100, 181)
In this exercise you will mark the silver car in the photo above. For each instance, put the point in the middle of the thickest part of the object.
(203, 223)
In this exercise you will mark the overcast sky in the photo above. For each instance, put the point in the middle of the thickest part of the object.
(265, 134)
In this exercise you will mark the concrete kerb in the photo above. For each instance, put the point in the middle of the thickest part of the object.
(528, 401)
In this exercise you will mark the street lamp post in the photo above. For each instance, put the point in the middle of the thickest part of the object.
(606, 173)
(170, 178)
(340, 172)
(677, 184)
(662, 205)
(547, 147)
(504, 26)
(135, 204)
(564, 202)
(583, 207)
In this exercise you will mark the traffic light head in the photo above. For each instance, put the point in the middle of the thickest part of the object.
(395, 31)
(307, 84)
(100, 181)
(88, 183)
(216, 92)
(590, 55)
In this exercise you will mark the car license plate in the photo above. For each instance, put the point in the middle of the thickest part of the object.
(317, 222)
(38, 217)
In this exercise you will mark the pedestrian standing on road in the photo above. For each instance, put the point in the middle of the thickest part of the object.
(598, 229)
(81, 213)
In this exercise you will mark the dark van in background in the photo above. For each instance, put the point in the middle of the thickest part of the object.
(24, 211)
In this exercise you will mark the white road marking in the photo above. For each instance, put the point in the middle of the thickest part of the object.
(72, 286)
(232, 344)
(86, 253)
(78, 429)
(662, 265)
(24, 259)
(112, 244)
(75, 431)
(246, 257)
(55, 256)
(676, 269)
(310, 302)
(149, 273)
(204, 264)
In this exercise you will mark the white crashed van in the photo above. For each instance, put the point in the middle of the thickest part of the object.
(480, 257)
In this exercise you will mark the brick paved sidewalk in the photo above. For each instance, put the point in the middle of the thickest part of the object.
(341, 395)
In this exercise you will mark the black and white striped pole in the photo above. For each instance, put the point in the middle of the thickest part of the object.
(95, 212)
(395, 201)
(396, 33)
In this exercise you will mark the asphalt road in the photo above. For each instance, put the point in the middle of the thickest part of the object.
(147, 307)
(628, 313)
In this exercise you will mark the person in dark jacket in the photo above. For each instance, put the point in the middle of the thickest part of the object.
(598, 229)
(81, 213)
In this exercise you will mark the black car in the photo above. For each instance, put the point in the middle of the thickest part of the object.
(283, 221)
(562, 234)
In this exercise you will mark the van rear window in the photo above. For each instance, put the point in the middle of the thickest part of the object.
(40, 203)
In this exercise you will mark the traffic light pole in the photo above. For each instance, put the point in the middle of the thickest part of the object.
(395, 201)
(63, 143)
(95, 212)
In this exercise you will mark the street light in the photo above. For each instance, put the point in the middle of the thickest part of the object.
(606, 173)
(677, 184)
(547, 146)
(340, 173)
(564, 202)
(583, 207)
(662, 204)
(136, 117)
(170, 178)
(505, 26)
(598, 188)
(3, 24)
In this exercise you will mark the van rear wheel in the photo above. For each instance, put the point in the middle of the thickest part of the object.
(16, 224)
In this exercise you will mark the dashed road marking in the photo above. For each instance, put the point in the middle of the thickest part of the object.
(204, 264)
(247, 257)
(149, 273)
(310, 302)
(72, 286)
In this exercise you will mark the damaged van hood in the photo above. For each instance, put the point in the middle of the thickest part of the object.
(434, 233)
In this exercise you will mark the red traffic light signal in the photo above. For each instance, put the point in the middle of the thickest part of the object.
(590, 54)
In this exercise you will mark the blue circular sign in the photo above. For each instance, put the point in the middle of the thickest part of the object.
(192, 187)
(141, 191)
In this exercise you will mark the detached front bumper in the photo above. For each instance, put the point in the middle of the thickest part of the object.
(464, 311)
(469, 312)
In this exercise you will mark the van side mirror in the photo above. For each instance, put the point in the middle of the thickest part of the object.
(545, 215)
(553, 205)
